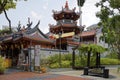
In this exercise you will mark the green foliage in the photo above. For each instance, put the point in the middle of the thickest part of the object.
(112, 55)
(65, 64)
(2, 65)
(65, 60)
(53, 59)
(93, 48)
(104, 61)
(82, 62)
(67, 57)
(7, 31)
(115, 3)
(54, 65)
(7, 4)
(44, 62)
(108, 61)
(110, 21)
(79, 61)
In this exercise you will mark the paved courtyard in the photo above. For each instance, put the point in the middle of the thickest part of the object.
(113, 74)
(38, 76)
(13, 74)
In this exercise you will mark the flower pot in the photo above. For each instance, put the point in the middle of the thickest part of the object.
(43, 69)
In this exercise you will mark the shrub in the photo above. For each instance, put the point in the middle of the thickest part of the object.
(67, 57)
(77, 62)
(44, 62)
(80, 61)
(53, 59)
(66, 64)
(112, 55)
(2, 65)
(108, 61)
(54, 65)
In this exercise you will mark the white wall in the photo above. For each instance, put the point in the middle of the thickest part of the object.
(100, 42)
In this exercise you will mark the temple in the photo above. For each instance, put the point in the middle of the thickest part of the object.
(11, 45)
(66, 27)
(64, 35)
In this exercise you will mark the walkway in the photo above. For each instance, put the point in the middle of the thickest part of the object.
(113, 74)
(59, 74)
(19, 75)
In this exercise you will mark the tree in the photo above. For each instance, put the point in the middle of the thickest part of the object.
(109, 15)
(5, 31)
(6, 5)
(92, 51)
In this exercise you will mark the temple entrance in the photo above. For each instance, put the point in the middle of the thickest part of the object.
(23, 58)
(10, 56)
(15, 56)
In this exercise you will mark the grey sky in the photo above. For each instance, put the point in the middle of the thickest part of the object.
(42, 10)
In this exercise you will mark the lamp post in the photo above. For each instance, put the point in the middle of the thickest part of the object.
(60, 33)
(80, 5)
(80, 13)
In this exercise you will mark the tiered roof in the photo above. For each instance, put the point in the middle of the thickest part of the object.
(66, 21)
(66, 13)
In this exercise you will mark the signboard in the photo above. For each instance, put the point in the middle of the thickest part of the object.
(32, 54)
(76, 38)
(65, 35)
(37, 55)
(37, 61)
(31, 57)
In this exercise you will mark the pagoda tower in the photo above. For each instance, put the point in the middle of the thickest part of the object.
(66, 22)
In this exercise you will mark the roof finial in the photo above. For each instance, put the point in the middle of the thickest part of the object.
(66, 5)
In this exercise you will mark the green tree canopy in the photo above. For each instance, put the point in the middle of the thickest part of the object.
(6, 5)
(2, 32)
(93, 48)
(91, 51)
(109, 15)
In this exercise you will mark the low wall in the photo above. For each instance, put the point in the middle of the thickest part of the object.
(49, 52)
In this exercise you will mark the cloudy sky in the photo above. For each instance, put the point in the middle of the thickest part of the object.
(42, 10)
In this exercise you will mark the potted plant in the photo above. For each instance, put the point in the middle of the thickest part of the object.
(44, 64)
(43, 69)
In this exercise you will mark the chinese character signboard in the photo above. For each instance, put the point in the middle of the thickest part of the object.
(37, 55)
